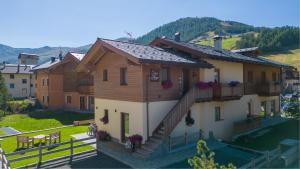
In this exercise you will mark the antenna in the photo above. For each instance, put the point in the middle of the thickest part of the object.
(129, 34)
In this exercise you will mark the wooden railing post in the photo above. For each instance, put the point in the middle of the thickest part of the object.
(170, 144)
(71, 150)
(40, 155)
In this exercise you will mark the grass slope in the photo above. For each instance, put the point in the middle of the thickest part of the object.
(42, 120)
(291, 57)
(228, 43)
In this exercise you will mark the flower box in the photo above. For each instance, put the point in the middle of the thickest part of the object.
(167, 84)
(136, 141)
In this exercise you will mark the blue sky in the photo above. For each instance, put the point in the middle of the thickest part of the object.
(36, 23)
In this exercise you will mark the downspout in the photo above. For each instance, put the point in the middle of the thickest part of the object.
(147, 105)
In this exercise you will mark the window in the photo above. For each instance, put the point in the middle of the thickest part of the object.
(165, 74)
(250, 77)
(263, 106)
(274, 76)
(126, 127)
(273, 107)
(43, 82)
(123, 76)
(31, 85)
(30, 76)
(218, 114)
(69, 99)
(24, 81)
(105, 75)
(263, 77)
(106, 114)
(12, 85)
(48, 99)
(47, 82)
(217, 76)
(12, 76)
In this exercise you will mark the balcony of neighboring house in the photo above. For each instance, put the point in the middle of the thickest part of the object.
(268, 89)
(250, 123)
(85, 87)
(228, 91)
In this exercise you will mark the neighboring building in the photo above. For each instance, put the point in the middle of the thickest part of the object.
(291, 80)
(151, 90)
(28, 59)
(59, 86)
(19, 80)
(254, 51)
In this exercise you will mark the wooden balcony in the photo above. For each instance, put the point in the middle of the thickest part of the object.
(246, 125)
(249, 88)
(226, 92)
(269, 89)
(86, 89)
(203, 95)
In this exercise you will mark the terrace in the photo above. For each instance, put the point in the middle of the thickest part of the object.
(228, 92)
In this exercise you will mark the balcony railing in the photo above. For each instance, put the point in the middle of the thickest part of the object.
(227, 92)
(269, 89)
(246, 125)
(85, 89)
(249, 88)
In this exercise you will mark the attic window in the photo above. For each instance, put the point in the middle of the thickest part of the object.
(123, 76)
(105, 75)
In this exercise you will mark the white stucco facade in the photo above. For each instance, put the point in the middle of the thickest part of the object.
(17, 87)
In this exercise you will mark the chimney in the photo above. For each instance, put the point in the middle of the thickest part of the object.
(217, 42)
(177, 36)
(52, 59)
(60, 56)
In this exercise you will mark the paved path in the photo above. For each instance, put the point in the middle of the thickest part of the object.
(10, 130)
(84, 135)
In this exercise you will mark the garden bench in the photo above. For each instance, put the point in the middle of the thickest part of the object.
(25, 140)
(53, 138)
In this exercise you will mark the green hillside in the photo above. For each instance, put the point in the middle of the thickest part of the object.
(191, 28)
(227, 43)
(291, 57)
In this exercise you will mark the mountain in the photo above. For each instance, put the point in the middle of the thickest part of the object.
(191, 28)
(10, 54)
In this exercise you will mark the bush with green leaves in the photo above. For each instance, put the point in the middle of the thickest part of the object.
(4, 97)
(19, 106)
(204, 159)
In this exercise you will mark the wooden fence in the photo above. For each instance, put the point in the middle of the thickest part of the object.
(6, 164)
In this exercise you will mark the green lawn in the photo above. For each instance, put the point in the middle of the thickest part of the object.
(228, 43)
(2, 133)
(291, 57)
(270, 140)
(42, 120)
(9, 145)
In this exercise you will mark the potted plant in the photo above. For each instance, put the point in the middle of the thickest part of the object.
(103, 135)
(166, 84)
(233, 83)
(136, 141)
(104, 119)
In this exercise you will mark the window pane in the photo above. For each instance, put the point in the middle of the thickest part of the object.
(126, 124)
(105, 75)
(217, 114)
(123, 76)
(165, 74)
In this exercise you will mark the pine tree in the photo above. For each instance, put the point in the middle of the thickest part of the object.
(3, 93)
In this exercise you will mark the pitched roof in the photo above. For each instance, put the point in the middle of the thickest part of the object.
(221, 54)
(245, 50)
(16, 68)
(28, 54)
(78, 56)
(47, 65)
(153, 54)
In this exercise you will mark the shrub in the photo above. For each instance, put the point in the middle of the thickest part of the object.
(18, 106)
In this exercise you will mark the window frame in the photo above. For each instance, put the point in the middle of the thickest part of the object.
(11, 76)
(105, 75)
(24, 81)
(11, 85)
(218, 114)
(69, 99)
(123, 76)
(168, 74)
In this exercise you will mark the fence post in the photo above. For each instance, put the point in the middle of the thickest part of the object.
(71, 150)
(40, 155)
(185, 137)
(268, 159)
(169, 143)
(2, 158)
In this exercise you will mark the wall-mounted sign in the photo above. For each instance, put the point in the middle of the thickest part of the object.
(154, 75)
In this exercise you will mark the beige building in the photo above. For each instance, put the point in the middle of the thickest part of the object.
(19, 80)
(172, 89)
(28, 59)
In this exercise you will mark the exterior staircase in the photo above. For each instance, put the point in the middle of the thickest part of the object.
(171, 120)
